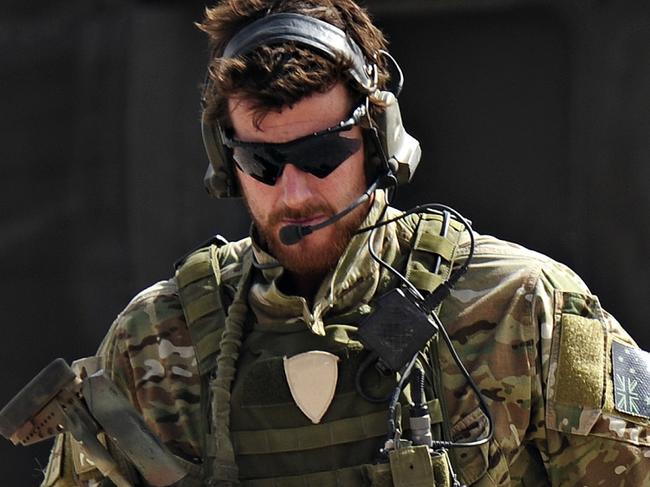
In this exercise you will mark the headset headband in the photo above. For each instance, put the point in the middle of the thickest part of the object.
(326, 38)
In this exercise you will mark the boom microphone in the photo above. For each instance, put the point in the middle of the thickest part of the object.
(292, 234)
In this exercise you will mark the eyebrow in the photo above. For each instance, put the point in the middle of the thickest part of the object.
(344, 125)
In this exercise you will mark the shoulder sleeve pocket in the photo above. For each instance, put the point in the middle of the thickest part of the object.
(576, 381)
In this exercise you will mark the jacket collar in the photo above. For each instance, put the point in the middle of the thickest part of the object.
(351, 285)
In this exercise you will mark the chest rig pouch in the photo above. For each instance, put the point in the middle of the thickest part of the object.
(206, 293)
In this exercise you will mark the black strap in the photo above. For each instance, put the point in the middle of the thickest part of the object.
(325, 38)
(217, 240)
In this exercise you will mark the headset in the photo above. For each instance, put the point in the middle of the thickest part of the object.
(399, 152)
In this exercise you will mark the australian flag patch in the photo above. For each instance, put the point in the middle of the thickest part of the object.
(631, 371)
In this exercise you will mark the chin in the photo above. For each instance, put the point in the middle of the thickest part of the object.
(317, 253)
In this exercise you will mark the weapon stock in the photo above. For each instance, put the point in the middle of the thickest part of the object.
(58, 400)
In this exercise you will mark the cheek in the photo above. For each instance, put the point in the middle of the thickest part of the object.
(258, 196)
(355, 165)
(349, 177)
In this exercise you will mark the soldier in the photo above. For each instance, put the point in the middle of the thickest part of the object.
(279, 360)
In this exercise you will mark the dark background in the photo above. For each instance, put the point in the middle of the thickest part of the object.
(534, 119)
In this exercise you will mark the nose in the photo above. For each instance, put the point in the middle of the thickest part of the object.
(295, 186)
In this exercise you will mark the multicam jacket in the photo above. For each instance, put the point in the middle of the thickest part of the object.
(538, 344)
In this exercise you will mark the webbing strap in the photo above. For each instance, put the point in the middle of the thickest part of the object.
(376, 475)
(209, 346)
(194, 267)
(202, 306)
(322, 435)
(423, 278)
(435, 244)
(428, 247)
(408, 474)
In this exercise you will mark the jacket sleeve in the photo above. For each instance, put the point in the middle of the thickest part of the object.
(129, 351)
(595, 386)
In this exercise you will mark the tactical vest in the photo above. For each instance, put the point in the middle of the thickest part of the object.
(270, 442)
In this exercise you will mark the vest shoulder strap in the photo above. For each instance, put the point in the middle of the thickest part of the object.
(200, 283)
(433, 251)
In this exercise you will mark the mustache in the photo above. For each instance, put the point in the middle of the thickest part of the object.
(306, 212)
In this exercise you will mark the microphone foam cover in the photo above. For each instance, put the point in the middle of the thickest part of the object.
(291, 234)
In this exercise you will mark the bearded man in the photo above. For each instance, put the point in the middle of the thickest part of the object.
(345, 343)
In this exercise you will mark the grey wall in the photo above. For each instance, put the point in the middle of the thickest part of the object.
(534, 117)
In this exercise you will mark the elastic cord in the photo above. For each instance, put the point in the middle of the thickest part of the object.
(224, 469)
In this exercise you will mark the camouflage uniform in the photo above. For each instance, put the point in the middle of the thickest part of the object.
(535, 340)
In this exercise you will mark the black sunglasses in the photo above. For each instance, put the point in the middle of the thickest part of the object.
(319, 153)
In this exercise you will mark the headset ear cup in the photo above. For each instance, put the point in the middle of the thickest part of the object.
(219, 179)
(374, 162)
(402, 151)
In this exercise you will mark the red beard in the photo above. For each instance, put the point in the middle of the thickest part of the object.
(311, 256)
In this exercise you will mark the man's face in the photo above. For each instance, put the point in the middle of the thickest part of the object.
(300, 198)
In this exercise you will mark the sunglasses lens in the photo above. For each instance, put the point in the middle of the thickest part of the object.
(257, 164)
(320, 156)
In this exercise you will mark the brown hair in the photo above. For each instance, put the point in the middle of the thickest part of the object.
(276, 76)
